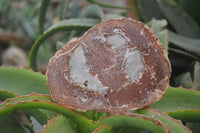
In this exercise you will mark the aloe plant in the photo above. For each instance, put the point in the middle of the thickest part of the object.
(27, 91)
(144, 119)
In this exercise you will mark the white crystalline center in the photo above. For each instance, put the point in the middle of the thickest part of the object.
(79, 72)
(80, 75)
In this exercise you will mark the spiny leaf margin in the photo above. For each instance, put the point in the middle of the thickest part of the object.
(175, 126)
(58, 123)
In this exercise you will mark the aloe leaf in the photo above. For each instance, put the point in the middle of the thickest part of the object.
(26, 98)
(181, 53)
(193, 126)
(24, 102)
(106, 5)
(58, 124)
(37, 114)
(157, 26)
(4, 94)
(197, 75)
(64, 7)
(178, 99)
(92, 115)
(133, 120)
(186, 115)
(71, 24)
(93, 11)
(8, 124)
(42, 14)
(83, 124)
(188, 44)
(22, 82)
(192, 7)
(180, 103)
(150, 10)
(16, 81)
(180, 20)
(173, 125)
(130, 130)
(178, 61)
(103, 129)
(185, 80)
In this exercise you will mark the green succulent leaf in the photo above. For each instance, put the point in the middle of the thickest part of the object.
(106, 5)
(64, 7)
(16, 81)
(8, 124)
(22, 82)
(92, 115)
(180, 20)
(187, 44)
(149, 10)
(192, 7)
(41, 101)
(178, 54)
(180, 103)
(103, 129)
(83, 124)
(178, 99)
(186, 115)
(37, 114)
(42, 14)
(4, 94)
(65, 25)
(59, 124)
(130, 130)
(133, 120)
(193, 126)
(157, 26)
(197, 75)
(173, 125)
(184, 80)
(93, 11)
(27, 98)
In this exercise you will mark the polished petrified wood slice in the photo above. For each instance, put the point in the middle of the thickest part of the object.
(116, 66)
